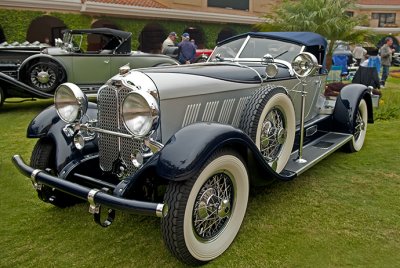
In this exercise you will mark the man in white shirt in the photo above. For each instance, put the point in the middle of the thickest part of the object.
(359, 53)
(169, 42)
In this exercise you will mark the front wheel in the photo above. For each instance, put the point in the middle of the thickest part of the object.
(42, 157)
(206, 211)
(360, 128)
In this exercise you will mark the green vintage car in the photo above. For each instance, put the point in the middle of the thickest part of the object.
(86, 57)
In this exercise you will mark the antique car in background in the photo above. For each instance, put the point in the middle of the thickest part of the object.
(87, 58)
(185, 143)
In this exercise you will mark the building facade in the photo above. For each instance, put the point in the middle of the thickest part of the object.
(150, 21)
(383, 16)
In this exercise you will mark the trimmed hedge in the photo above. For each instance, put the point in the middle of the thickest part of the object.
(15, 24)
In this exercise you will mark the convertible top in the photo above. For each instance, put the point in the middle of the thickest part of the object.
(124, 38)
(304, 38)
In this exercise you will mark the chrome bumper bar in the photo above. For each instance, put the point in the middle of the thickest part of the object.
(95, 197)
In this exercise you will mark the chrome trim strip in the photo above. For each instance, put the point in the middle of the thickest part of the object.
(226, 110)
(192, 111)
(322, 156)
(242, 47)
(209, 111)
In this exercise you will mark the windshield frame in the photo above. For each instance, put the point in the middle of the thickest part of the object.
(238, 57)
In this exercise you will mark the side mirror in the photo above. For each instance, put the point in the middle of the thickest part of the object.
(305, 64)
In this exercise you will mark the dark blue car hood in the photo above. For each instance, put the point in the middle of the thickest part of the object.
(224, 71)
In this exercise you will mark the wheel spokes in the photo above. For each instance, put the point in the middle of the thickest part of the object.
(273, 135)
(43, 77)
(212, 208)
(360, 125)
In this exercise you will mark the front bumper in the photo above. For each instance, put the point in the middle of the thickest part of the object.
(95, 197)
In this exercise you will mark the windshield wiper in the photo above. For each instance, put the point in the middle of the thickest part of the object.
(284, 52)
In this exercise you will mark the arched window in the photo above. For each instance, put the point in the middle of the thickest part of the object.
(225, 33)
(151, 38)
(197, 34)
(45, 29)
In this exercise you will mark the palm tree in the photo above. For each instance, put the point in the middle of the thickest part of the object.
(326, 17)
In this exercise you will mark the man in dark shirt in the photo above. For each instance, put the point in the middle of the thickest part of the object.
(187, 50)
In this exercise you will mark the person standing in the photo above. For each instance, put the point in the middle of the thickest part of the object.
(187, 50)
(386, 58)
(359, 53)
(169, 41)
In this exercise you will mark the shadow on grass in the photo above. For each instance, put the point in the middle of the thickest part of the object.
(20, 105)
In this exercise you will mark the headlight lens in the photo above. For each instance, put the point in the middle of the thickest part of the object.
(70, 102)
(305, 64)
(140, 113)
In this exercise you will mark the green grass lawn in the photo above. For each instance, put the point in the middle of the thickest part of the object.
(344, 212)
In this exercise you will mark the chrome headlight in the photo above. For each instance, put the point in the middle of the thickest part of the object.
(70, 102)
(305, 64)
(140, 113)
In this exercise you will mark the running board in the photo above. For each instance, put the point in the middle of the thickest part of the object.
(317, 150)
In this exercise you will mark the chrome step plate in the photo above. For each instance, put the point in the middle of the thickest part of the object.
(317, 150)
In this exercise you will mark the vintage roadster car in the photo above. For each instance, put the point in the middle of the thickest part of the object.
(185, 143)
(87, 58)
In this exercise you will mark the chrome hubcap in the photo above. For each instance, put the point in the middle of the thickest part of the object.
(273, 134)
(43, 77)
(212, 208)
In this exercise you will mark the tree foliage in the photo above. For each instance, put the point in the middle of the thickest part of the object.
(326, 17)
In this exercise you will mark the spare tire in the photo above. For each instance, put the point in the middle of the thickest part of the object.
(269, 120)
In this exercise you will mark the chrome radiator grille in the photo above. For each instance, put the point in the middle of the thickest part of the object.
(113, 149)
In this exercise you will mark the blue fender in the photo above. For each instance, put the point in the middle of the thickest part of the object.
(346, 107)
(49, 125)
(187, 150)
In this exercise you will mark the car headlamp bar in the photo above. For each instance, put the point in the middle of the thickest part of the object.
(154, 146)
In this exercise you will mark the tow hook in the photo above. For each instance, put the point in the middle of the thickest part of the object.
(95, 209)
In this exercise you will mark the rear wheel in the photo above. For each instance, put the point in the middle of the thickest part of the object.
(206, 211)
(45, 76)
(360, 128)
(42, 157)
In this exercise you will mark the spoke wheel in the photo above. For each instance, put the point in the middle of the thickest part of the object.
(45, 76)
(206, 211)
(360, 128)
(42, 157)
(269, 119)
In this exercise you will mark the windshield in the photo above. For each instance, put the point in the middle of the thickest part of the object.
(228, 50)
(256, 48)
